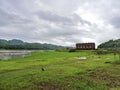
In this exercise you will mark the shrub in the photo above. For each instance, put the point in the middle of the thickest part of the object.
(102, 51)
(117, 62)
(72, 50)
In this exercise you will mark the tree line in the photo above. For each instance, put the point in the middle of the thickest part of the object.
(110, 44)
(19, 44)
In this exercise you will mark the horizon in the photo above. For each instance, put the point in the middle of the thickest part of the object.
(60, 22)
(58, 44)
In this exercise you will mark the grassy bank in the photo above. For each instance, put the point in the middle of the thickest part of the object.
(62, 71)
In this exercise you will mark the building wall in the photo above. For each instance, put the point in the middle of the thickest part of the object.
(85, 46)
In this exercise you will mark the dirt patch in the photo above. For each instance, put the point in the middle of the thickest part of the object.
(110, 77)
(49, 86)
(54, 86)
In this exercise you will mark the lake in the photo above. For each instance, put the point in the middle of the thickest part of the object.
(8, 54)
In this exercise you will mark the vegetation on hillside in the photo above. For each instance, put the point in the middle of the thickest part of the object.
(19, 44)
(110, 44)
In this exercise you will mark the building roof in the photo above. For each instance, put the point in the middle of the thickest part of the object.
(86, 43)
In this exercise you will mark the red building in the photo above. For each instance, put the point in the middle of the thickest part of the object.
(85, 46)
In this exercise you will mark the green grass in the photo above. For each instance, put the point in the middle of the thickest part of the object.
(63, 71)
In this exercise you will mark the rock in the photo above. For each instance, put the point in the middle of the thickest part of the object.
(107, 62)
(42, 69)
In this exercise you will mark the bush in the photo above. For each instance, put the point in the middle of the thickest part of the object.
(117, 62)
(102, 51)
(72, 50)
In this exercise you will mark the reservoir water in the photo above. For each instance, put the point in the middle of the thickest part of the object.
(8, 54)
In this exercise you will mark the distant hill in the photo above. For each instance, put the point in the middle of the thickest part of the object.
(110, 44)
(19, 44)
(15, 42)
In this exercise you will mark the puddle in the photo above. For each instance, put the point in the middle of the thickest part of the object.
(81, 58)
(97, 59)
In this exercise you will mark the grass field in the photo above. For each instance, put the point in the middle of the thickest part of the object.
(62, 71)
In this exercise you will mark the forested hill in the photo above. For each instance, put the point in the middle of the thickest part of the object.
(19, 44)
(110, 44)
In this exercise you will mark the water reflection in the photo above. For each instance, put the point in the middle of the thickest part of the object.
(8, 54)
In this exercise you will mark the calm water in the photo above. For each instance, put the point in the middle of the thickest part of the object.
(8, 54)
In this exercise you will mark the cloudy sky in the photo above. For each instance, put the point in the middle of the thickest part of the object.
(61, 22)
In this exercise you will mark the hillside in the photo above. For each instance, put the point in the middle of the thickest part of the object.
(110, 44)
(19, 44)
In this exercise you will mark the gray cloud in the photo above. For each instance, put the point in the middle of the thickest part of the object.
(10, 19)
(61, 22)
(115, 21)
(66, 20)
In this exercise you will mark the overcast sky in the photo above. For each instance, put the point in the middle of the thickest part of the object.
(61, 22)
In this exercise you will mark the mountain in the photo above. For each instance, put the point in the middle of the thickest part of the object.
(3, 42)
(19, 44)
(15, 42)
(110, 44)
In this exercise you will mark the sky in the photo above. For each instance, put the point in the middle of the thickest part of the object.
(61, 22)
